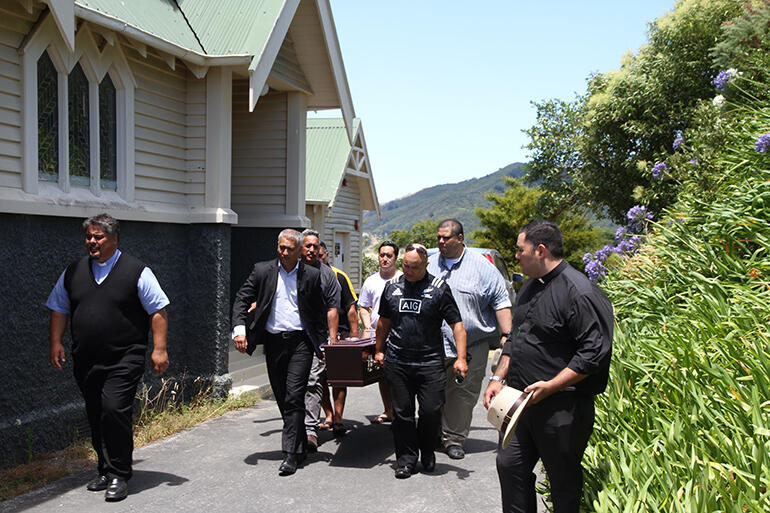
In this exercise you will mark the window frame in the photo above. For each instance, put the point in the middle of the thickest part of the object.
(95, 64)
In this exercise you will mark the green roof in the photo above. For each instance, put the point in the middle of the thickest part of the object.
(328, 149)
(221, 27)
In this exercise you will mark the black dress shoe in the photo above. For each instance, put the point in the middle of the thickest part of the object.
(98, 484)
(455, 452)
(290, 463)
(117, 489)
(404, 472)
(428, 462)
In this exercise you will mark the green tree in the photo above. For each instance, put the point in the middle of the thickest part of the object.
(517, 206)
(423, 232)
(598, 151)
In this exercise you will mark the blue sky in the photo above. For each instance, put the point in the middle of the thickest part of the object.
(444, 88)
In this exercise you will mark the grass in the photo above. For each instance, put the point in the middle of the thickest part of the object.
(160, 416)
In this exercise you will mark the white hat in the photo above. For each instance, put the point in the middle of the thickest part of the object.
(505, 410)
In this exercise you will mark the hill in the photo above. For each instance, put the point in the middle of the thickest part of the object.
(457, 200)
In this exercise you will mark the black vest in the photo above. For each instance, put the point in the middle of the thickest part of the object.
(107, 319)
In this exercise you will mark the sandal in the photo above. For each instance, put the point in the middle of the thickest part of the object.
(324, 426)
(381, 419)
(338, 429)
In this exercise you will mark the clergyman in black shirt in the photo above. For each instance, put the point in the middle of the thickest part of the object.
(560, 351)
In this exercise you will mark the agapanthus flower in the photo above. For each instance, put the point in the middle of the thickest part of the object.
(638, 214)
(620, 233)
(718, 101)
(587, 258)
(763, 143)
(678, 142)
(658, 169)
(694, 161)
(596, 271)
(723, 79)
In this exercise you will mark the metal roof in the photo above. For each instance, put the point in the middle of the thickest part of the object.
(224, 27)
(328, 149)
(232, 27)
(161, 19)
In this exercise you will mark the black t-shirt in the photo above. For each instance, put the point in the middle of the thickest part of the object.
(561, 320)
(416, 311)
(347, 298)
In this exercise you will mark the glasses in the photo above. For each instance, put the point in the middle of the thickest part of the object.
(442, 237)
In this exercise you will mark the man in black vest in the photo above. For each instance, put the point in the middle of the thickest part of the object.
(113, 299)
(290, 320)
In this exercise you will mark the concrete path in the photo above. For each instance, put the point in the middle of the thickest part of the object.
(231, 464)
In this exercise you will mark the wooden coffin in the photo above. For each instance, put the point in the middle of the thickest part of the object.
(350, 363)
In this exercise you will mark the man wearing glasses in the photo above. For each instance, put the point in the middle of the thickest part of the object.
(480, 293)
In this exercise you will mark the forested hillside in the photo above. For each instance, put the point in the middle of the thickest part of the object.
(457, 200)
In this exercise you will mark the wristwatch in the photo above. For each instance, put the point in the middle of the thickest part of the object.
(497, 378)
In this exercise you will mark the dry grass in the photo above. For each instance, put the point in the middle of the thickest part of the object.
(157, 419)
(45, 468)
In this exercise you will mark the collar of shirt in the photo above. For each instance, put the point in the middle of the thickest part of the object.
(442, 260)
(102, 269)
(556, 271)
(284, 271)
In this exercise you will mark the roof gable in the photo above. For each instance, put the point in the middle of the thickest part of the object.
(330, 157)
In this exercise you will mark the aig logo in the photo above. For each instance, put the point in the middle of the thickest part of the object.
(409, 306)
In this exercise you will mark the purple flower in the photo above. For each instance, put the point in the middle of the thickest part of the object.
(620, 233)
(596, 271)
(637, 214)
(723, 79)
(603, 253)
(658, 169)
(587, 258)
(678, 142)
(694, 161)
(763, 143)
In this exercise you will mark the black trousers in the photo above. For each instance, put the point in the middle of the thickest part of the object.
(109, 391)
(289, 357)
(556, 431)
(426, 384)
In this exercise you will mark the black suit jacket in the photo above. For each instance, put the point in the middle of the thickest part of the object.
(260, 287)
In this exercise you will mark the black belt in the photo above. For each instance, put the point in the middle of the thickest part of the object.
(286, 335)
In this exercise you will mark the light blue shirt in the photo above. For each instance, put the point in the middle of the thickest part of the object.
(284, 312)
(479, 291)
(151, 295)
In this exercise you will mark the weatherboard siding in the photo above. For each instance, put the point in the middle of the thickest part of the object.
(287, 68)
(195, 142)
(15, 23)
(259, 156)
(345, 210)
(160, 130)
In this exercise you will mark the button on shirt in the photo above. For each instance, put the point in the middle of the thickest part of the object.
(479, 290)
(284, 312)
(561, 320)
(150, 294)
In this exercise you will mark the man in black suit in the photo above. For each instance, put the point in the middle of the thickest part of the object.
(290, 320)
